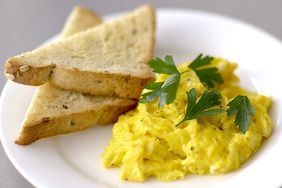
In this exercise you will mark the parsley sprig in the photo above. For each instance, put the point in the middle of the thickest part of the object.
(244, 109)
(210, 99)
(166, 91)
(206, 75)
(204, 106)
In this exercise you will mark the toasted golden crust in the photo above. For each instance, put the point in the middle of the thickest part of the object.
(31, 75)
(68, 123)
(122, 85)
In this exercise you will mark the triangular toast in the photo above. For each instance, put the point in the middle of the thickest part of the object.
(108, 60)
(55, 111)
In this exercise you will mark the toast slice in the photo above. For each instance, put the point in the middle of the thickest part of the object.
(80, 19)
(108, 60)
(54, 111)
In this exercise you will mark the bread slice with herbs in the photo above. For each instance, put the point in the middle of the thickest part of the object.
(54, 111)
(80, 19)
(108, 60)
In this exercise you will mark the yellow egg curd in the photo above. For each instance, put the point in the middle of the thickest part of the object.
(146, 141)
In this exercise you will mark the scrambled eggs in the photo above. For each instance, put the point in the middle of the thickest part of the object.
(147, 143)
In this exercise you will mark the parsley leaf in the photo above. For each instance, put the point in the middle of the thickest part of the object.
(244, 109)
(150, 96)
(206, 75)
(166, 91)
(153, 86)
(163, 67)
(201, 108)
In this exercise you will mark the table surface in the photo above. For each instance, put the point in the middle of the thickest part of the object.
(26, 24)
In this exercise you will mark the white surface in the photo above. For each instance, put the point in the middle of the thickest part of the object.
(73, 160)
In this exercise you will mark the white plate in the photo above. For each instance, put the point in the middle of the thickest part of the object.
(74, 160)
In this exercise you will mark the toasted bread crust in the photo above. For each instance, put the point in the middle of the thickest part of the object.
(122, 85)
(31, 75)
(51, 126)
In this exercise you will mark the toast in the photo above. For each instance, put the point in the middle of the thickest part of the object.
(107, 60)
(80, 19)
(55, 111)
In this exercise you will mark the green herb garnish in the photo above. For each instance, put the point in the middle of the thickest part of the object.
(244, 109)
(203, 107)
(206, 75)
(166, 91)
